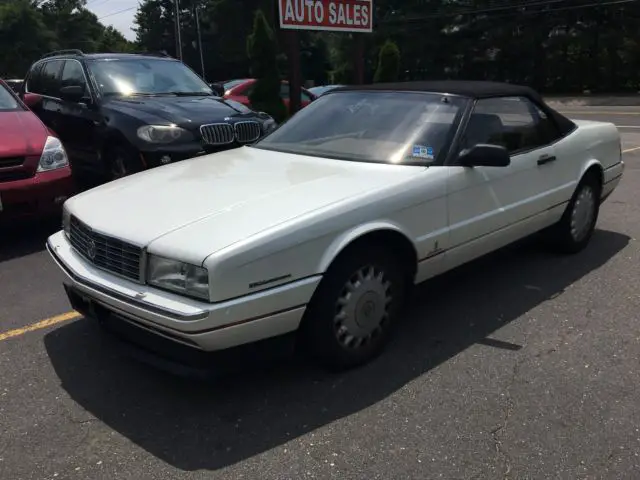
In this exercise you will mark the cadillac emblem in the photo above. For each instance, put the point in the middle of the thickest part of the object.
(91, 250)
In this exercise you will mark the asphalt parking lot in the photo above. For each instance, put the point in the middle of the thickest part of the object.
(521, 365)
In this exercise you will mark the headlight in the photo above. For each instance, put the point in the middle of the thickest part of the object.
(66, 221)
(269, 125)
(178, 277)
(53, 156)
(162, 133)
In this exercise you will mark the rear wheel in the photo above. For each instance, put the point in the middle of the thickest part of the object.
(575, 229)
(351, 316)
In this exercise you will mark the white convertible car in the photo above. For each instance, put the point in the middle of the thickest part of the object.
(319, 229)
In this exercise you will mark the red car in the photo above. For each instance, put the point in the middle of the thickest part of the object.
(239, 91)
(35, 177)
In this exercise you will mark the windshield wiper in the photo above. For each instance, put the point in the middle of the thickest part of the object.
(187, 94)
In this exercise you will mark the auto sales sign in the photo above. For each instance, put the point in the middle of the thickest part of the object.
(331, 15)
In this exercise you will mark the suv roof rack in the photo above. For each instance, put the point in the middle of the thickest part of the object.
(72, 51)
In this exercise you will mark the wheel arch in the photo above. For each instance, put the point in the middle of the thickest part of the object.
(377, 233)
(593, 167)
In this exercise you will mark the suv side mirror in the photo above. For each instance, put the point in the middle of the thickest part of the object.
(72, 93)
(485, 155)
(217, 89)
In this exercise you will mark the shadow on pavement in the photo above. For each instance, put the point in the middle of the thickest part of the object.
(27, 237)
(193, 425)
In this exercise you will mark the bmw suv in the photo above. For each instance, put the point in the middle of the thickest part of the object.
(118, 114)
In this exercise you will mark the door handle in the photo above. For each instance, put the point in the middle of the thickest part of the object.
(546, 159)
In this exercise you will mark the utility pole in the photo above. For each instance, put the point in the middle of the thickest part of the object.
(178, 30)
(195, 12)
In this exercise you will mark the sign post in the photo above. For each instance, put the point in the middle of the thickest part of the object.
(354, 16)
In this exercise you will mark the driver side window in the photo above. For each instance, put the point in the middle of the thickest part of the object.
(508, 122)
(73, 75)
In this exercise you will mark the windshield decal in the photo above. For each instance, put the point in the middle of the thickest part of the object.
(421, 151)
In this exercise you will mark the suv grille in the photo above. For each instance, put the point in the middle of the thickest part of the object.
(247, 132)
(217, 133)
(106, 253)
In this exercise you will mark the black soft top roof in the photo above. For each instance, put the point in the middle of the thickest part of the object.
(470, 89)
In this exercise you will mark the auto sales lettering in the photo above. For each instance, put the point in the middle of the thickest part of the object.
(332, 15)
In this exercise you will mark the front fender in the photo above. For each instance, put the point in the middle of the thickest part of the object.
(346, 238)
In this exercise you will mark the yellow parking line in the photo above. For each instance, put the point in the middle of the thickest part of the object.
(629, 150)
(48, 322)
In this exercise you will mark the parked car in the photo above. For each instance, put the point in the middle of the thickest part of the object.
(35, 178)
(240, 90)
(15, 84)
(119, 114)
(319, 229)
(320, 89)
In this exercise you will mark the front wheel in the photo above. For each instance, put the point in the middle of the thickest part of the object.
(351, 316)
(122, 161)
(575, 229)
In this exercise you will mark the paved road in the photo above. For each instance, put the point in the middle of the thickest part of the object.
(521, 365)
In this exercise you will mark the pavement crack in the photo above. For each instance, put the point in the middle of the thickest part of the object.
(499, 432)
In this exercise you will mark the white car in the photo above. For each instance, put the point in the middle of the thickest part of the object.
(322, 226)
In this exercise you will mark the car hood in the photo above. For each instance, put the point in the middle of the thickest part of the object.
(191, 209)
(21, 134)
(183, 111)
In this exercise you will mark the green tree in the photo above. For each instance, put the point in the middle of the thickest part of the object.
(262, 50)
(388, 63)
(24, 37)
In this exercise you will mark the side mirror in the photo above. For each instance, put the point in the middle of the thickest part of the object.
(72, 93)
(484, 155)
(217, 89)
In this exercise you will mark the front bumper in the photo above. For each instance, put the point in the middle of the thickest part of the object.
(199, 325)
(164, 154)
(41, 195)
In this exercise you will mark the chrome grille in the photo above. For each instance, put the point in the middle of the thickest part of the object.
(247, 132)
(106, 253)
(217, 133)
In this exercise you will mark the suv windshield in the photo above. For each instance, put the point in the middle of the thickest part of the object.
(8, 102)
(372, 126)
(146, 76)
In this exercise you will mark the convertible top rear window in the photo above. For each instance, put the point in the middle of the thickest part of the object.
(410, 128)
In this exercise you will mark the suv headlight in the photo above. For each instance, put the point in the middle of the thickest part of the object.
(163, 133)
(269, 125)
(53, 155)
(179, 277)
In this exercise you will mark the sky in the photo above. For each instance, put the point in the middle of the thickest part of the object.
(117, 13)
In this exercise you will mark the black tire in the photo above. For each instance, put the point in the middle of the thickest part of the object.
(121, 161)
(325, 338)
(564, 237)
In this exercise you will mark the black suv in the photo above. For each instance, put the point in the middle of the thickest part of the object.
(118, 114)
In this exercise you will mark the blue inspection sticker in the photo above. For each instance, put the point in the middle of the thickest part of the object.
(421, 151)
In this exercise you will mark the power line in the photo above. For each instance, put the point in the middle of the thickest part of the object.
(117, 13)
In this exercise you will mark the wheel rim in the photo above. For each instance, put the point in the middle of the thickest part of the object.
(362, 310)
(583, 213)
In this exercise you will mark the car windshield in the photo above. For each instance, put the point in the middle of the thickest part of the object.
(8, 102)
(146, 76)
(372, 126)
